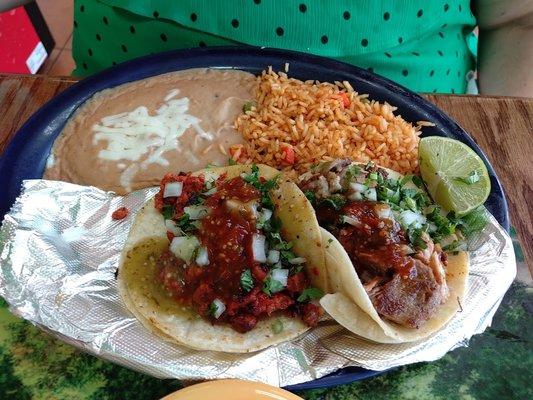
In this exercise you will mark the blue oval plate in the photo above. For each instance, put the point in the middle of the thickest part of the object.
(25, 157)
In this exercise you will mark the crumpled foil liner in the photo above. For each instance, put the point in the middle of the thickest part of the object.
(59, 251)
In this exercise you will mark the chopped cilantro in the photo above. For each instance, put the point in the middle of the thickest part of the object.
(409, 203)
(287, 255)
(473, 222)
(472, 177)
(210, 184)
(247, 281)
(310, 293)
(406, 179)
(408, 193)
(373, 176)
(444, 225)
(351, 172)
(422, 200)
(195, 252)
(415, 237)
(253, 177)
(167, 211)
(185, 223)
(212, 309)
(274, 238)
(373, 179)
(369, 166)
(275, 223)
(388, 195)
(264, 187)
(335, 201)
(282, 246)
(271, 286)
(270, 184)
(296, 268)
(381, 178)
(231, 161)
(417, 181)
(260, 223)
(195, 200)
(247, 106)
(456, 245)
(277, 327)
(310, 196)
(267, 201)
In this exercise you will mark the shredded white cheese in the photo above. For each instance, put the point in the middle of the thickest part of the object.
(138, 135)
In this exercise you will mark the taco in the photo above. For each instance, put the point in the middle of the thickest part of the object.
(226, 259)
(391, 280)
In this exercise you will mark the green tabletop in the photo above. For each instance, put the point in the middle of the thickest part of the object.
(496, 365)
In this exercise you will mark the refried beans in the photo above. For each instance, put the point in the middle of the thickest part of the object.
(110, 142)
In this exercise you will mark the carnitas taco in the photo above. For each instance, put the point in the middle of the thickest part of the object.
(391, 280)
(226, 259)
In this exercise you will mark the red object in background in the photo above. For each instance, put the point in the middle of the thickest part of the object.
(21, 48)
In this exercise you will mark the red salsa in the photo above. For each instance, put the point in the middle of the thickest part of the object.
(120, 213)
(230, 286)
(374, 243)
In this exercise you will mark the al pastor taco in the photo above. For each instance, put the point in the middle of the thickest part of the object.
(391, 280)
(225, 259)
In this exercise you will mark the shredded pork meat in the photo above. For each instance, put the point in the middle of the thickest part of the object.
(404, 285)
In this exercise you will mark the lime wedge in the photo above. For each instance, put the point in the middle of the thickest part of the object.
(455, 176)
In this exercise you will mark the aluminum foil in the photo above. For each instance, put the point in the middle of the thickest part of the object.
(59, 251)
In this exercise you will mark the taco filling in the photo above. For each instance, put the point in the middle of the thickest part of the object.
(227, 259)
(388, 228)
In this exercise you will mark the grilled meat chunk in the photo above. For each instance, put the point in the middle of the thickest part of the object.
(408, 301)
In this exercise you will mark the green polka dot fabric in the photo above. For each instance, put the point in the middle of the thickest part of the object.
(417, 43)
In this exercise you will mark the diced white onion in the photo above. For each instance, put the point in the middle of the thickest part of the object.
(202, 259)
(357, 187)
(273, 256)
(211, 191)
(173, 189)
(370, 194)
(448, 240)
(220, 307)
(351, 221)
(297, 260)
(265, 215)
(255, 210)
(355, 196)
(196, 212)
(432, 227)
(172, 227)
(259, 248)
(280, 275)
(356, 191)
(184, 247)
(410, 218)
(383, 211)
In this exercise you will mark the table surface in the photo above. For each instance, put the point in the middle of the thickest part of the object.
(35, 364)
